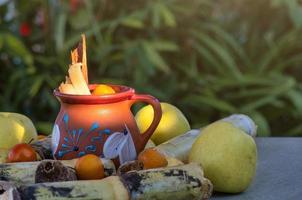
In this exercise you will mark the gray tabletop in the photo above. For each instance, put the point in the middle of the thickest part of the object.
(279, 171)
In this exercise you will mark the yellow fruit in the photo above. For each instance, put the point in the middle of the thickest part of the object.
(15, 129)
(151, 158)
(172, 123)
(103, 89)
(89, 167)
(228, 156)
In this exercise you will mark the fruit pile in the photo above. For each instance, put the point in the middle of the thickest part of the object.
(177, 163)
(221, 155)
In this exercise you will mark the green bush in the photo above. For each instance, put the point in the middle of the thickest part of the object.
(209, 58)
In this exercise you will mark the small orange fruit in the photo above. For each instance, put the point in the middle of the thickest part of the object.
(151, 158)
(103, 89)
(89, 167)
(22, 153)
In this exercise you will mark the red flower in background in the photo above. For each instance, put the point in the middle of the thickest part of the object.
(74, 5)
(25, 29)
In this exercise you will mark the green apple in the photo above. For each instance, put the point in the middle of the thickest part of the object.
(228, 156)
(15, 128)
(172, 123)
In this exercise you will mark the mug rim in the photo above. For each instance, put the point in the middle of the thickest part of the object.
(123, 93)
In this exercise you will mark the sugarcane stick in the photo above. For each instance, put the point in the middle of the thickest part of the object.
(180, 182)
(21, 173)
(173, 161)
(106, 189)
(84, 58)
(4, 186)
(175, 183)
(179, 147)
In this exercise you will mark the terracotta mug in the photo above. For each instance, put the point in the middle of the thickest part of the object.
(102, 125)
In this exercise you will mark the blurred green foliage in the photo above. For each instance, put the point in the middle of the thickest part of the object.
(209, 58)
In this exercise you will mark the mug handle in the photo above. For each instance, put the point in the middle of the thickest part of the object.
(157, 113)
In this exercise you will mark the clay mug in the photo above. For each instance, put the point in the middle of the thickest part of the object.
(102, 125)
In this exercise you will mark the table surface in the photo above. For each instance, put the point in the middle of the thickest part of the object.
(279, 171)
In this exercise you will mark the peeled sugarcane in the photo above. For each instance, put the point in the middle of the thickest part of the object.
(21, 173)
(179, 147)
(181, 182)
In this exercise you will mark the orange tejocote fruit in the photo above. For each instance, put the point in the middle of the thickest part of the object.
(22, 153)
(89, 167)
(103, 89)
(151, 158)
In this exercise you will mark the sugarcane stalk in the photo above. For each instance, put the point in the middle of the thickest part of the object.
(106, 189)
(21, 173)
(4, 186)
(180, 146)
(243, 122)
(173, 162)
(180, 182)
(175, 183)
